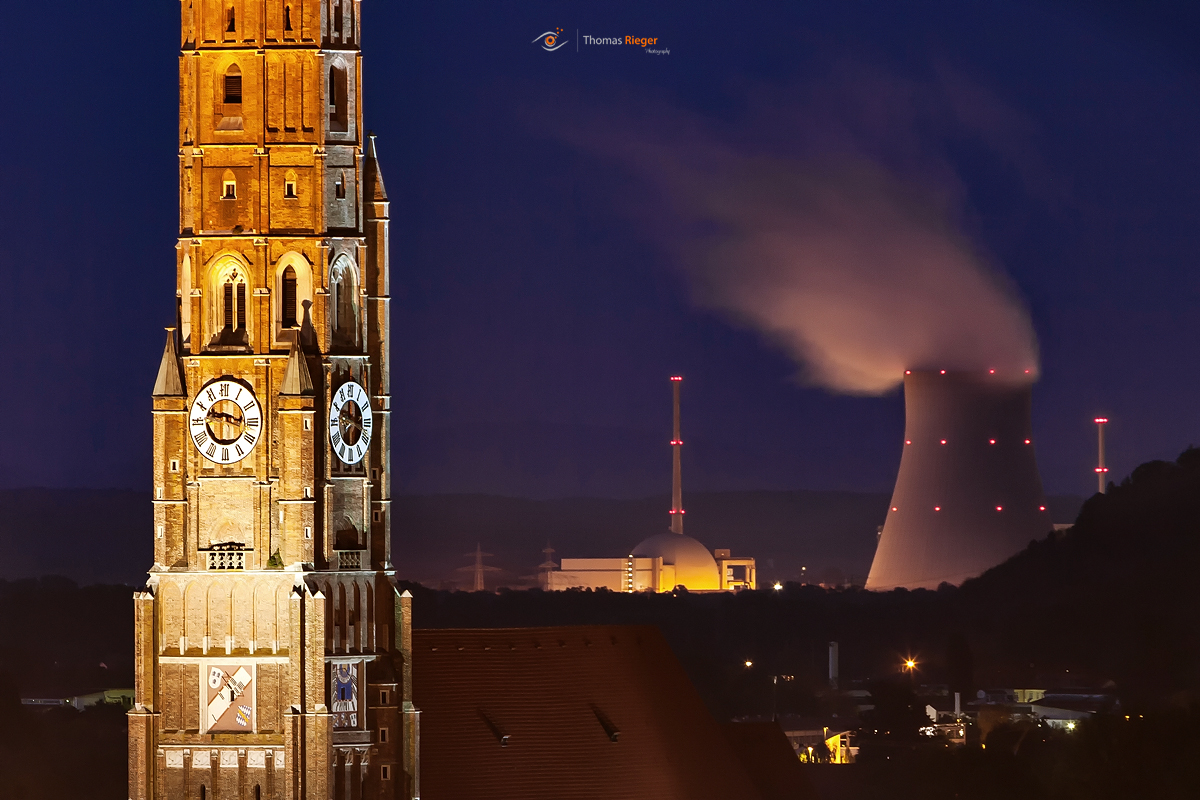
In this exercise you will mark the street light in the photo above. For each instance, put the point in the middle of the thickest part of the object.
(748, 663)
(777, 586)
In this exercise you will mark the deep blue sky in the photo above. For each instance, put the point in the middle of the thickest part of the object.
(536, 319)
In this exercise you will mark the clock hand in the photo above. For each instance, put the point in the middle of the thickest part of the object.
(350, 422)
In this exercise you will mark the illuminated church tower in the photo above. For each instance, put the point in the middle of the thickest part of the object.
(272, 648)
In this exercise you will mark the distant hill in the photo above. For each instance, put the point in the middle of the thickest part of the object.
(104, 536)
(87, 535)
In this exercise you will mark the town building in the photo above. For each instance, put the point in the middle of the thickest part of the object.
(581, 712)
(271, 642)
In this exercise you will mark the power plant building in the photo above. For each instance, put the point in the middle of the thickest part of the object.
(663, 561)
(968, 495)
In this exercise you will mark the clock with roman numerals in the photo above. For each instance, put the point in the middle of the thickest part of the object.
(350, 421)
(226, 421)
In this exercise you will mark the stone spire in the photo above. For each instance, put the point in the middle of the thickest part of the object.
(169, 382)
(373, 191)
(296, 379)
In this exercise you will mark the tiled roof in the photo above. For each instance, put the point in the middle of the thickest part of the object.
(769, 759)
(571, 712)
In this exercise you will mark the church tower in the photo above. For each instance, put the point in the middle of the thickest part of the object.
(272, 646)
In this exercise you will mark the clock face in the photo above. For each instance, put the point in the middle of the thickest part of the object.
(350, 421)
(225, 422)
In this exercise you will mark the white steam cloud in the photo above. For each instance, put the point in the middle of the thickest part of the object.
(856, 275)
(840, 250)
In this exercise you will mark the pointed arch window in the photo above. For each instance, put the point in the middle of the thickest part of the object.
(287, 18)
(233, 85)
(289, 186)
(289, 298)
(344, 284)
(227, 304)
(231, 27)
(233, 304)
(337, 99)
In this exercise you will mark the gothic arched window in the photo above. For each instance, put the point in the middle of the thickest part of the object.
(289, 186)
(337, 96)
(293, 293)
(233, 84)
(232, 26)
(344, 285)
(289, 298)
(287, 18)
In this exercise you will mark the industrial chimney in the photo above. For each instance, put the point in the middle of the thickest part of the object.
(968, 495)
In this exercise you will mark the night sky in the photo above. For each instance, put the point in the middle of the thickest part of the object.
(540, 279)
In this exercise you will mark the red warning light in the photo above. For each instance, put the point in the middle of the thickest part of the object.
(908, 441)
(677, 441)
(937, 508)
(1100, 420)
(1027, 442)
(1101, 469)
(943, 372)
(999, 508)
(1027, 372)
(991, 372)
(895, 509)
(676, 377)
(1041, 508)
(908, 372)
(943, 441)
(991, 441)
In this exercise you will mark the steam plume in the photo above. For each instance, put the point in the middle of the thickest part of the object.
(855, 270)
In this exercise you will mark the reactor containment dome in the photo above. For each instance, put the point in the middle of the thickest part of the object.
(968, 495)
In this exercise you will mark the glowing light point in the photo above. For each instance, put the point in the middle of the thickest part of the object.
(748, 663)
(1027, 441)
(991, 372)
(1041, 508)
(943, 372)
(908, 441)
(999, 508)
(777, 586)
(895, 509)
(991, 441)
(937, 508)
(943, 441)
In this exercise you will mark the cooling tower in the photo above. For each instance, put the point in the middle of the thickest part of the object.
(968, 495)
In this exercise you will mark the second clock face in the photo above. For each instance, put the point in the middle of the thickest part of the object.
(350, 421)
(225, 422)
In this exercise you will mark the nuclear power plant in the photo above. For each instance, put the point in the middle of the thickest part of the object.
(664, 561)
(968, 495)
